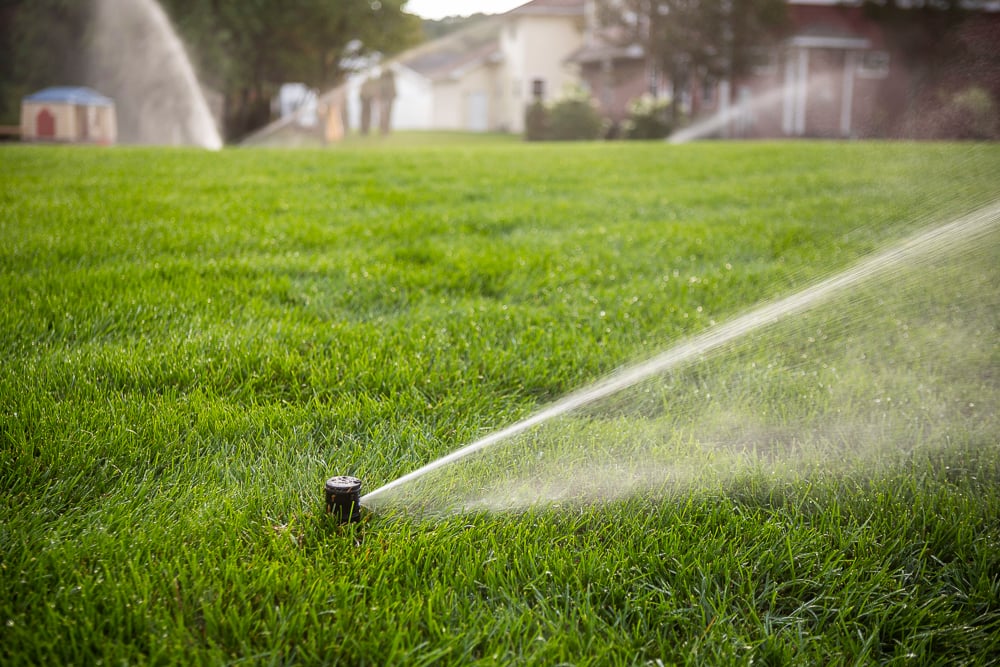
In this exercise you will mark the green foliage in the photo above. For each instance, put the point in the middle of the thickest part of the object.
(193, 341)
(974, 115)
(244, 49)
(536, 122)
(648, 118)
(436, 28)
(572, 117)
(711, 38)
(40, 45)
(248, 49)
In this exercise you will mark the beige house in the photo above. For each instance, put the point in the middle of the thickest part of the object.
(536, 40)
(68, 114)
(482, 78)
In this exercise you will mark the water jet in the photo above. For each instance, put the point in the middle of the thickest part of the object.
(137, 58)
(885, 356)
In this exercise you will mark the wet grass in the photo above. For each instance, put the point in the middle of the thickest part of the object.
(193, 342)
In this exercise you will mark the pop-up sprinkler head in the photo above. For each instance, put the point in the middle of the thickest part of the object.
(343, 498)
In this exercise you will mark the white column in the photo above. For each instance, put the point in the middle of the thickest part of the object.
(801, 92)
(788, 96)
(847, 94)
(724, 95)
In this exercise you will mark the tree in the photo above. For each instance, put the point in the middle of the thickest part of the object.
(248, 48)
(719, 39)
(437, 28)
(40, 45)
(244, 49)
(949, 48)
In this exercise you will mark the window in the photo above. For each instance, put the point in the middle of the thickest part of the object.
(874, 65)
(538, 89)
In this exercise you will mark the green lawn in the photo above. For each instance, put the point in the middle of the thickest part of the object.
(193, 341)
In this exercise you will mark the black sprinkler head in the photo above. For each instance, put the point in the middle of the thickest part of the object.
(343, 498)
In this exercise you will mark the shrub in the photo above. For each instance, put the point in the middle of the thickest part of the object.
(573, 117)
(536, 122)
(974, 114)
(648, 118)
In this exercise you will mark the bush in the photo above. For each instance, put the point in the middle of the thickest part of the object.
(967, 114)
(648, 118)
(974, 114)
(536, 122)
(574, 118)
(571, 118)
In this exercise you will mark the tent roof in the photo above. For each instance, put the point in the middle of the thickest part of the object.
(70, 95)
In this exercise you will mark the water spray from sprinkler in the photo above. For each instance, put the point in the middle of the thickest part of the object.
(965, 231)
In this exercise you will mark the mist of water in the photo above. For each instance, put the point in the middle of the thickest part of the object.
(769, 100)
(895, 353)
(137, 59)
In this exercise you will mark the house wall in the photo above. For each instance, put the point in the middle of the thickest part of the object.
(821, 89)
(547, 42)
(880, 100)
(513, 100)
(447, 114)
(412, 109)
(823, 95)
(472, 102)
(616, 86)
(761, 103)
(535, 47)
(872, 90)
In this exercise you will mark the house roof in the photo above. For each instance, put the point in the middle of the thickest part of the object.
(455, 53)
(832, 25)
(551, 7)
(478, 44)
(608, 43)
(453, 62)
(77, 95)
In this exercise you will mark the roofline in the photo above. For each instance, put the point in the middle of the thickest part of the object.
(529, 8)
(75, 95)
(544, 11)
(821, 42)
(491, 56)
(987, 6)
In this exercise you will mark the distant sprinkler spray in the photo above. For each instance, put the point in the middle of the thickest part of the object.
(343, 498)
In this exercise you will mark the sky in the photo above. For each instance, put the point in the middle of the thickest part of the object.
(436, 9)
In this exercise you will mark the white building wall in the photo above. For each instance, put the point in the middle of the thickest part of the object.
(447, 105)
(531, 46)
(413, 108)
